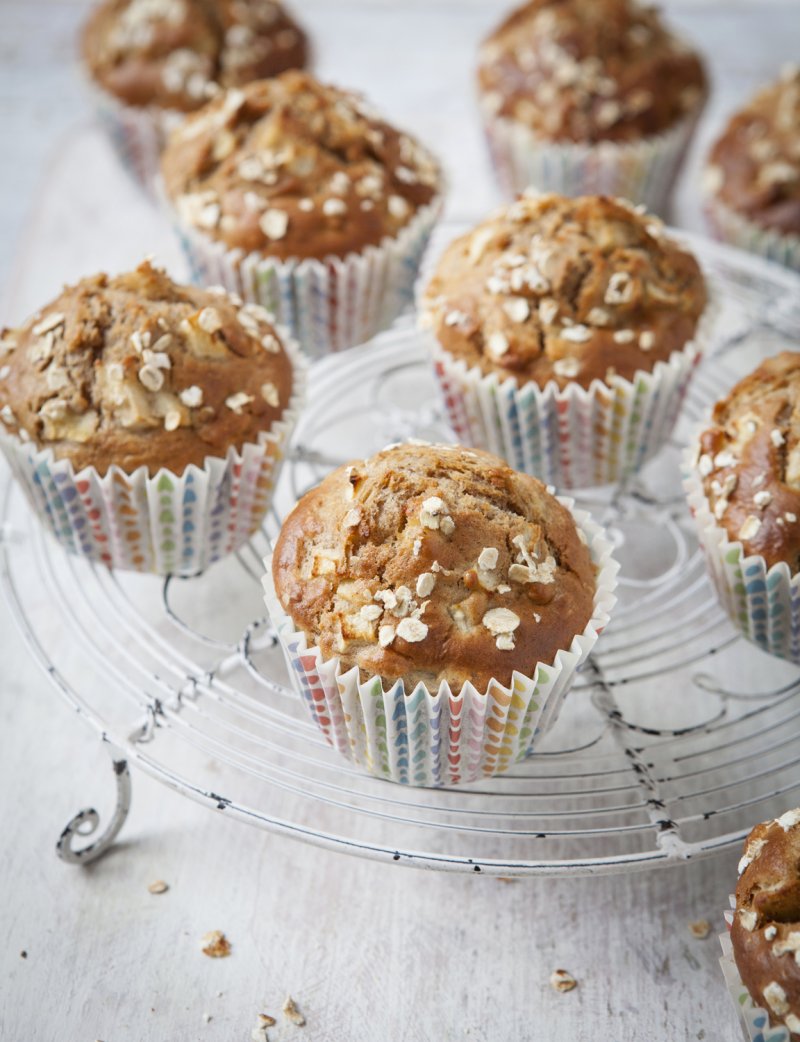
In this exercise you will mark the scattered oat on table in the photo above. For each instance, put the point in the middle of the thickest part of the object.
(700, 929)
(561, 980)
(207, 1018)
(267, 1020)
(259, 1032)
(159, 887)
(215, 944)
(291, 1012)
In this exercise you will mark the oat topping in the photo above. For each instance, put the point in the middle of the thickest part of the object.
(308, 171)
(561, 289)
(749, 461)
(177, 53)
(137, 369)
(389, 594)
(586, 71)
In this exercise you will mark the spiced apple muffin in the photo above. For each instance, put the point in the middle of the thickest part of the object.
(744, 488)
(306, 201)
(552, 301)
(586, 96)
(146, 419)
(429, 569)
(765, 933)
(152, 60)
(752, 179)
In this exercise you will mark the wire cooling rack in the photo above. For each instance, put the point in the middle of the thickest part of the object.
(676, 738)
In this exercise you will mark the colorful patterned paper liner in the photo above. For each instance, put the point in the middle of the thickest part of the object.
(736, 230)
(423, 739)
(763, 603)
(328, 305)
(755, 1020)
(642, 171)
(571, 438)
(137, 134)
(170, 523)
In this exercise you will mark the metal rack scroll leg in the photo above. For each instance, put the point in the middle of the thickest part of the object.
(86, 821)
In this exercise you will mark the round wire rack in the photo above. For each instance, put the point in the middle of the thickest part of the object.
(676, 738)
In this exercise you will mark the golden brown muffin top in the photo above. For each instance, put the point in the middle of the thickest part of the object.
(589, 70)
(571, 290)
(749, 461)
(138, 371)
(754, 167)
(434, 563)
(292, 168)
(766, 927)
(176, 54)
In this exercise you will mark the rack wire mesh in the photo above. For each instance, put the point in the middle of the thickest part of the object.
(677, 736)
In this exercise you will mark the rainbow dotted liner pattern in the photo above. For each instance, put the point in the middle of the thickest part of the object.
(643, 171)
(445, 738)
(168, 523)
(763, 604)
(326, 305)
(572, 438)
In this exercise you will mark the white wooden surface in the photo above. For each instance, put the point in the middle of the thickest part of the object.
(370, 952)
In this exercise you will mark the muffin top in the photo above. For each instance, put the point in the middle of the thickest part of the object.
(589, 70)
(754, 167)
(749, 461)
(137, 371)
(175, 54)
(571, 290)
(766, 927)
(293, 168)
(434, 563)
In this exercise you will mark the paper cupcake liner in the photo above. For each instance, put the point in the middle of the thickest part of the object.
(328, 305)
(137, 134)
(736, 230)
(763, 603)
(576, 437)
(423, 739)
(642, 171)
(755, 1020)
(170, 523)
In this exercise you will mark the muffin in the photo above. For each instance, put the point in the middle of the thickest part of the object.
(146, 421)
(565, 332)
(296, 195)
(588, 96)
(765, 931)
(743, 483)
(152, 61)
(433, 606)
(752, 180)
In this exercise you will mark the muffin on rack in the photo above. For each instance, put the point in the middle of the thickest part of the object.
(765, 932)
(743, 483)
(565, 334)
(434, 605)
(752, 179)
(150, 61)
(305, 201)
(146, 421)
(583, 96)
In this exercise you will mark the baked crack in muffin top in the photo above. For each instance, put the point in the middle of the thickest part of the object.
(589, 70)
(292, 168)
(136, 370)
(568, 290)
(749, 461)
(176, 54)
(435, 564)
